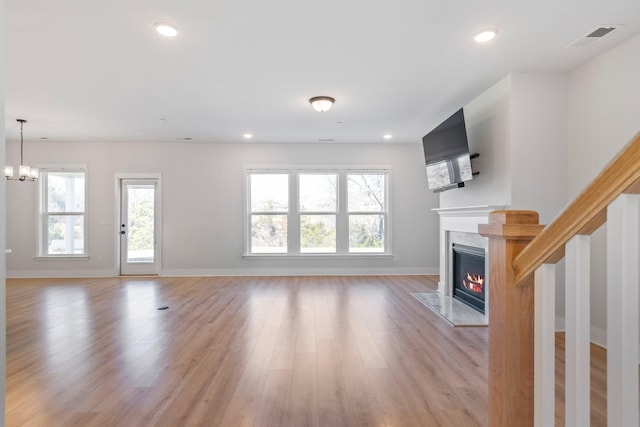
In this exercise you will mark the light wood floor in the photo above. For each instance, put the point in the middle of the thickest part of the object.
(239, 351)
(598, 383)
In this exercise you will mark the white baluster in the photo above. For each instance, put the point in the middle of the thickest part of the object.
(544, 371)
(578, 336)
(623, 280)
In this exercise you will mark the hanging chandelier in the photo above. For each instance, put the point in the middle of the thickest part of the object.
(25, 173)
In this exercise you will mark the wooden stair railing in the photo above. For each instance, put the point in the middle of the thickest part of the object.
(522, 315)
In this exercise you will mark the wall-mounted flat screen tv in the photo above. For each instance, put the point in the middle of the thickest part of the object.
(446, 154)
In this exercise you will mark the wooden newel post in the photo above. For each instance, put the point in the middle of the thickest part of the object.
(511, 322)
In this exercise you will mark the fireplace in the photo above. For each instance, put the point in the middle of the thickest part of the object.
(469, 276)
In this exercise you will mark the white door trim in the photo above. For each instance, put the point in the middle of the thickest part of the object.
(119, 177)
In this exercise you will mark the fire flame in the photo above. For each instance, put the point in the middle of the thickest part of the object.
(474, 283)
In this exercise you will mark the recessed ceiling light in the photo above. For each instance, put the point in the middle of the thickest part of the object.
(166, 29)
(247, 136)
(388, 136)
(485, 35)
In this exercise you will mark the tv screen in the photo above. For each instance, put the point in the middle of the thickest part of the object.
(446, 154)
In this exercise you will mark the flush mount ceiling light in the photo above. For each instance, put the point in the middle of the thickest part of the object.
(166, 29)
(387, 136)
(485, 34)
(322, 103)
(25, 173)
(247, 136)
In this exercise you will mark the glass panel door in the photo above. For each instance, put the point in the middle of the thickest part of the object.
(138, 240)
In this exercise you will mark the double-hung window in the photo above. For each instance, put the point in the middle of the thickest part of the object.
(269, 212)
(62, 225)
(367, 207)
(304, 212)
(318, 202)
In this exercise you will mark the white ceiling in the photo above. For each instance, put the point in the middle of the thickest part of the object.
(81, 70)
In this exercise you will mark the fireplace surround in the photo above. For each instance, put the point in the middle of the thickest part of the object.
(459, 225)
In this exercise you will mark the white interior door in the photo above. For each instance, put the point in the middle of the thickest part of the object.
(139, 227)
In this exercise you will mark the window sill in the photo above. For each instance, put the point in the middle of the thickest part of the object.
(321, 256)
(62, 258)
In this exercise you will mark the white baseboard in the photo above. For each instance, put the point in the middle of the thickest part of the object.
(381, 271)
(43, 274)
(598, 335)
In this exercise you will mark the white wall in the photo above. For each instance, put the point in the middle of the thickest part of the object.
(539, 153)
(604, 115)
(203, 199)
(488, 121)
(604, 111)
(538, 148)
(3, 298)
(518, 127)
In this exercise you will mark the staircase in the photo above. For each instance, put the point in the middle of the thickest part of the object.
(522, 259)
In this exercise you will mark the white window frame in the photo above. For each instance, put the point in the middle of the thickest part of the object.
(384, 212)
(342, 214)
(299, 213)
(249, 213)
(43, 213)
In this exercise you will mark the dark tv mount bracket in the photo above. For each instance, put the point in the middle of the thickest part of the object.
(471, 157)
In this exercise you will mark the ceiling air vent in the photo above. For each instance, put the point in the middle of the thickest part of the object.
(326, 140)
(593, 36)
